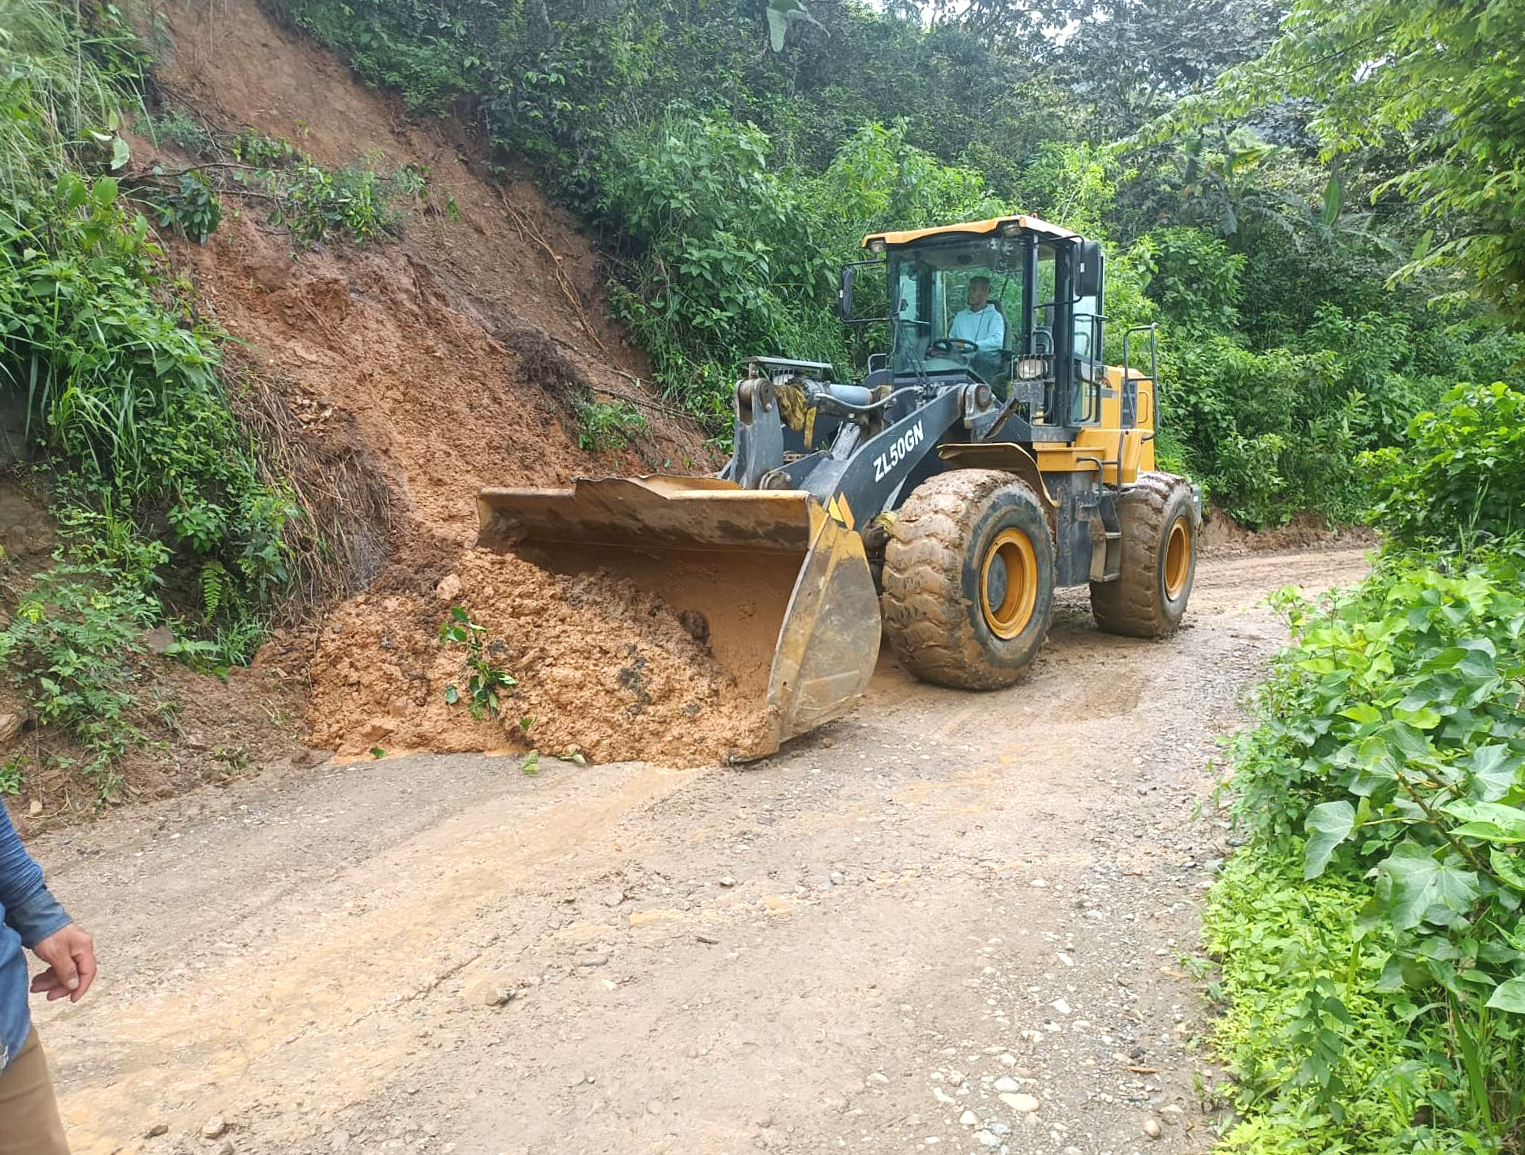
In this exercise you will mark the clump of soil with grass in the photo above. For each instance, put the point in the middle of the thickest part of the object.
(601, 667)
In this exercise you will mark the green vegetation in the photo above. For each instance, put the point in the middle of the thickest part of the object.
(608, 425)
(484, 678)
(13, 774)
(1424, 98)
(152, 478)
(1371, 925)
(310, 203)
(78, 635)
(1458, 479)
(119, 378)
(729, 175)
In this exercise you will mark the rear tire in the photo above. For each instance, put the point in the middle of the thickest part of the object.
(1159, 560)
(969, 580)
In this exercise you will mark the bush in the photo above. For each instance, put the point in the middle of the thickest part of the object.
(74, 640)
(120, 382)
(608, 425)
(1462, 475)
(1320, 1060)
(1389, 758)
(1269, 433)
(1192, 276)
(720, 245)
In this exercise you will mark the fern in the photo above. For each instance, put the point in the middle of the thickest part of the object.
(216, 588)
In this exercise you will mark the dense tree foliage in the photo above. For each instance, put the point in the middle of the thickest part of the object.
(728, 178)
(1425, 94)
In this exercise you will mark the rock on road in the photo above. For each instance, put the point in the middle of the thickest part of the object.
(950, 922)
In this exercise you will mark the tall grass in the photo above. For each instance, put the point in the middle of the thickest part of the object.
(56, 91)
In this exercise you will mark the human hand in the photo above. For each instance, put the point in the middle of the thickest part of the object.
(953, 345)
(70, 955)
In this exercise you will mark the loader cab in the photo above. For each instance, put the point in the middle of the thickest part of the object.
(1045, 285)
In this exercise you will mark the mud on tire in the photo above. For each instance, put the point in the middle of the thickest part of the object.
(1159, 560)
(969, 580)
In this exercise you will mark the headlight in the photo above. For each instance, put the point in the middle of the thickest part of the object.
(1031, 368)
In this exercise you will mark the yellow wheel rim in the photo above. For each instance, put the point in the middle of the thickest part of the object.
(1177, 558)
(1009, 583)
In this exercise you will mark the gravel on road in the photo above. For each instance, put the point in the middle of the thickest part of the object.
(951, 922)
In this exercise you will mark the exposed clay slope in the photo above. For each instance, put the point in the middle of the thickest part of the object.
(368, 348)
(444, 362)
(507, 251)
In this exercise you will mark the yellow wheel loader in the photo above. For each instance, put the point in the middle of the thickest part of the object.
(988, 457)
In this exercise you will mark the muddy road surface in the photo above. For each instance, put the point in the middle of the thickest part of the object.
(951, 922)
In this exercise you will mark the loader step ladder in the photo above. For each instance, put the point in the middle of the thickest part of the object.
(1106, 536)
(1107, 552)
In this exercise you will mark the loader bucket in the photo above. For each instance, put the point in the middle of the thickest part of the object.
(784, 588)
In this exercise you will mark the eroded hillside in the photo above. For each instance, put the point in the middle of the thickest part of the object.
(451, 357)
(387, 380)
(459, 357)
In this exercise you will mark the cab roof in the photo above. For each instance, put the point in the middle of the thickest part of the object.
(972, 228)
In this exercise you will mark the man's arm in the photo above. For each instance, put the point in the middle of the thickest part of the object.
(30, 910)
(44, 926)
(995, 334)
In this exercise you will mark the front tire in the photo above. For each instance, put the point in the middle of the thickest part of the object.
(1159, 560)
(969, 580)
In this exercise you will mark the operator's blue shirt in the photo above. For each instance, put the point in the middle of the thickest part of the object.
(28, 914)
(986, 329)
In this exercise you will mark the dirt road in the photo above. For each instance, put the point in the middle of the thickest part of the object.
(952, 922)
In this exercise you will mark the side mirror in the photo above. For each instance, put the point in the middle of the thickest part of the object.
(845, 294)
(1088, 265)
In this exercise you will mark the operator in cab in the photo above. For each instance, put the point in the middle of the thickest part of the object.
(979, 322)
(978, 332)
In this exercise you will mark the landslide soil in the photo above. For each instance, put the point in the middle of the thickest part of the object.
(602, 669)
(448, 362)
(957, 917)
(389, 383)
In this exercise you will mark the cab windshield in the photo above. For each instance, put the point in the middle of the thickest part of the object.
(955, 305)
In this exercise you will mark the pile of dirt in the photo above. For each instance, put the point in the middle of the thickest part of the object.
(1222, 536)
(603, 668)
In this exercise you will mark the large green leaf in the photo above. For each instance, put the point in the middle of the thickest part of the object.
(1334, 200)
(1417, 888)
(1495, 768)
(1490, 821)
(1328, 825)
(1509, 996)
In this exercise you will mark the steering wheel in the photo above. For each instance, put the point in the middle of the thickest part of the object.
(953, 345)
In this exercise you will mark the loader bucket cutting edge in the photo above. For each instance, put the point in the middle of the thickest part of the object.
(784, 589)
